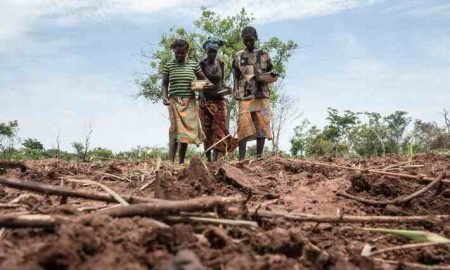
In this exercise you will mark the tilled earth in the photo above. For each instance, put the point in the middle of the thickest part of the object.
(273, 184)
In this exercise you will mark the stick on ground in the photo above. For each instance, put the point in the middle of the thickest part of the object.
(409, 246)
(108, 190)
(401, 175)
(414, 265)
(302, 217)
(149, 210)
(60, 191)
(399, 200)
(171, 207)
(216, 221)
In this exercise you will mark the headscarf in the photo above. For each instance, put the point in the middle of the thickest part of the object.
(213, 43)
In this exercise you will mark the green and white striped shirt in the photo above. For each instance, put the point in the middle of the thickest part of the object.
(181, 76)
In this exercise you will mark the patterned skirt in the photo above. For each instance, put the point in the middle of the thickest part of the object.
(185, 124)
(213, 115)
(255, 116)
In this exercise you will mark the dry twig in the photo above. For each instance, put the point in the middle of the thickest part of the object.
(230, 222)
(415, 265)
(399, 200)
(60, 191)
(104, 187)
(115, 176)
(303, 217)
(401, 175)
(409, 246)
(11, 205)
(162, 208)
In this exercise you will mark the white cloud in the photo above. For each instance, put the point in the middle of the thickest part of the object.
(16, 17)
(263, 10)
(19, 17)
(432, 9)
(268, 11)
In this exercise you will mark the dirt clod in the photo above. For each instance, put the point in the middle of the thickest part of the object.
(277, 184)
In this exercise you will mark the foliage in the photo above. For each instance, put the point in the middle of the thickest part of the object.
(32, 148)
(209, 24)
(298, 142)
(100, 153)
(144, 153)
(367, 134)
(78, 147)
(8, 136)
(32, 144)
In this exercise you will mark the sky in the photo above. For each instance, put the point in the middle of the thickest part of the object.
(66, 65)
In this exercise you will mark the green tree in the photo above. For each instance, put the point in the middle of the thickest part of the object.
(210, 24)
(33, 144)
(101, 153)
(298, 141)
(8, 136)
(396, 124)
(339, 127)
(32, 149)
(79, 149)
(317, 144)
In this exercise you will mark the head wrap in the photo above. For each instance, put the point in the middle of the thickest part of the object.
(213, 43)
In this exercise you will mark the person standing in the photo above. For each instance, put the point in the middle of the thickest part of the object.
(252, 93)
(213, 106)
(177, 75)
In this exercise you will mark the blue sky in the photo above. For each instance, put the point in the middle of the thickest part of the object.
(67, 64)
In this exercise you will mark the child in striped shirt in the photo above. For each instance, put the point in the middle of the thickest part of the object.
(185, 126)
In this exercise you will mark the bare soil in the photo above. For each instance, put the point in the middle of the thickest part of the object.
(275, 184)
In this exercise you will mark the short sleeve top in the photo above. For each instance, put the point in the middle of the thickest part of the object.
(181, 76)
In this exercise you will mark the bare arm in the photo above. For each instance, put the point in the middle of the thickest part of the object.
(236, 75)
(200, 75)
(165, 89)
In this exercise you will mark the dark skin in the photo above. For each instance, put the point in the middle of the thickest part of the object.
(249, 42)
(211, 55)
(180, 57)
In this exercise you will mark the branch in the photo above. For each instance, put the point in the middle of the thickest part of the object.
(414, 265)
(171, 207)
(399, 200)
(230, 222)
(60, 191)
(401, 175)
(409, 246)
(30, 221)
(303, 217)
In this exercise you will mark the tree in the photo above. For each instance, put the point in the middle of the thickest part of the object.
(227, 28)
(82, 148)
(298, 141)
(210, 24)
(87, 142)
(101, 153)
(8, 135)
(32, 149)
(339, 127)
(79, 149)
(284, 109)
(317, 144)
(446, 116)
(379, 130)
(396, 124)
(32, 144)
(58, 145)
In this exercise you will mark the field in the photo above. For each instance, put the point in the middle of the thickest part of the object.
(278, 214)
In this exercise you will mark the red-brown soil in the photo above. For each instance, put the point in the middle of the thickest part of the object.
(276, 184)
